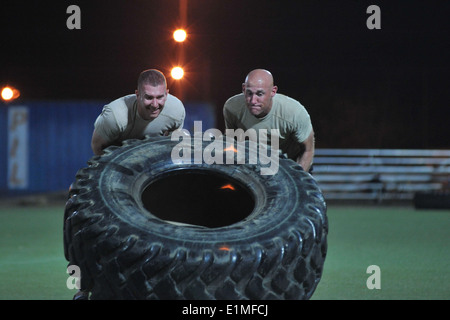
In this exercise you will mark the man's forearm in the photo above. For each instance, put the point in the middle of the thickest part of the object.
(306, 160)
(98, 144)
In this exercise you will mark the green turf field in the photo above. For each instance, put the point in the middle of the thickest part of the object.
(411, 248)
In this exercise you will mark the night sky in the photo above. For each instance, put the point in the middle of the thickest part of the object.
(386, 88)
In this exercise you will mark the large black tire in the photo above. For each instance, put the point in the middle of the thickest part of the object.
(266, 239)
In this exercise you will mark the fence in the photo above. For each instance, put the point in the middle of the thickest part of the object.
(380, 174)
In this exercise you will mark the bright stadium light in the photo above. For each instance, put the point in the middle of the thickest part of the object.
(179, 35)
(177, 73)
(9, 93)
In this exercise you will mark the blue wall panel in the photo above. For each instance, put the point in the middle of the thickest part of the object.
(59, 141)
(199, 111)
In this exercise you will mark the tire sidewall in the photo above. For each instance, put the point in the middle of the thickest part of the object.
(279, 199)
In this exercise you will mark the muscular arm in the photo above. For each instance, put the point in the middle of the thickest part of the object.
(306, 159)
(98, 143)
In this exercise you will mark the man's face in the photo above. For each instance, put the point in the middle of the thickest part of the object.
(258, 97)
(151, 100)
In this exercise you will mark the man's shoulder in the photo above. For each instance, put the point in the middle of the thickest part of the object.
(122, 103)
(174, 107)
(286, 101)
(287, 106)
(174, 101)
(235, 103)
(236, 99)
(289, 112)
(115, 114)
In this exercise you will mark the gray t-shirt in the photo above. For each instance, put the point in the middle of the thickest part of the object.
(287, 115)
(120, 120)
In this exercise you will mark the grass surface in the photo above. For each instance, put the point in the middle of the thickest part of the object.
(32, 263)
(411, 247)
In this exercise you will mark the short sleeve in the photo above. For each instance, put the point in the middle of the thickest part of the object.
(106, 125)
(302, 124)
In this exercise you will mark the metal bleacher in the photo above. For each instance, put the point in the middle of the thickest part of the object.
(380, 174)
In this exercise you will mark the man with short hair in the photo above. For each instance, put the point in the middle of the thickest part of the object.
(259, 106)
(150, 111)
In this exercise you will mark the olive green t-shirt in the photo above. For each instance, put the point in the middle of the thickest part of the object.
(120, 120)
(287, 115)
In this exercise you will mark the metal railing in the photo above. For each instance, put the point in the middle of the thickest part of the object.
(380, 174)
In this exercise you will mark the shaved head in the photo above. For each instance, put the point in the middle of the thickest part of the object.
(259, 77)
(258, 91)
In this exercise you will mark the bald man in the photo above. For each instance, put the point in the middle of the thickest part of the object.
(259, 106)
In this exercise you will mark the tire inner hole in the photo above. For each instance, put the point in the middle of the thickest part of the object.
(198, 198)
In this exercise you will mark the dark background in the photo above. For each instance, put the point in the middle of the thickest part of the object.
(363, 88)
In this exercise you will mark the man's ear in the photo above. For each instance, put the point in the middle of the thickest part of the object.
(136, 92)
(243, 87)
(274, 90)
